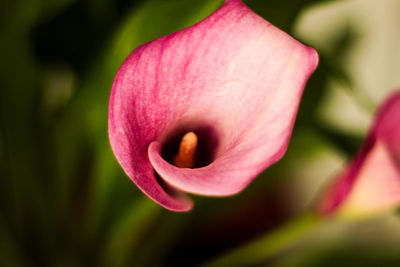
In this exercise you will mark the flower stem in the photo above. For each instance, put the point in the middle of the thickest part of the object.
(268, 245)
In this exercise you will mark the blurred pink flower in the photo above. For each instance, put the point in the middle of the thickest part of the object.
(206, 109)
(371, 182)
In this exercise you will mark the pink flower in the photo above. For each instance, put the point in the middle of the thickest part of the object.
(206, 109)
(371, 182)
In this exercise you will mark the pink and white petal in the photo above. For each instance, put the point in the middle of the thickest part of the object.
(374, 168)
(387, 126)
(233, 71)
(376, 187)
(127, 149)
(253, 104)
(336, 192)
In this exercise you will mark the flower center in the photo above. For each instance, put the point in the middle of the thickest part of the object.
(187, 149)
(190, 147)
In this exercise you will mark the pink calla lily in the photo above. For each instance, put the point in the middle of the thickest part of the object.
(233, 80)
(371, 182)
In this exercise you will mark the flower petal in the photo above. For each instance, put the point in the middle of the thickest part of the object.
(387, 125)
(128, 141)
(251, 95)
(232, 71)
(371, 183)
(377, 185)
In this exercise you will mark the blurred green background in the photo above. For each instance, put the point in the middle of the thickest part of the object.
(64, 200)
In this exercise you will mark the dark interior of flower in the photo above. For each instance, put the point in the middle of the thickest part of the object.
(190, 147)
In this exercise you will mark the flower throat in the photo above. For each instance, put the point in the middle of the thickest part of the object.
(190, 148)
